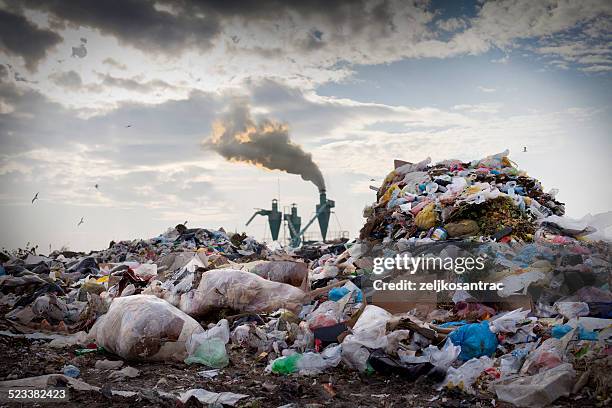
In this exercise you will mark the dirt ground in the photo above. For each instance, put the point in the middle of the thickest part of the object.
(21, 358)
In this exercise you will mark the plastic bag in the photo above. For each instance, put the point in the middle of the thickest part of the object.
(208, 348)
(292, 273)
(570, 310)
(442, 358)
(538, 390)
(327, 314)
(507, 322)
(545, 357)
(464, 376)
(241, 291)
(521, 282)
(475, 340)
(371, 327)
(308, 363)
(144, 327)
(369, 331)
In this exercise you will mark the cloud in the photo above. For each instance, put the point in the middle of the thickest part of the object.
(20, 37)
(486, 89)
(138, 23)
(133, 84)
(69, 80)
(479, 108)
(451, 24)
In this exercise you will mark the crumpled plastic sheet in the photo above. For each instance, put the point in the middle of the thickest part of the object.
(537, 390)
(212, 398)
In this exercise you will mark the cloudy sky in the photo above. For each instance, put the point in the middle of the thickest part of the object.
(125, 94)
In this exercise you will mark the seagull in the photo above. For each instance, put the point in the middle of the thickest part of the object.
(128, 126)
(80, 222)
(35, 198)
(524, 149)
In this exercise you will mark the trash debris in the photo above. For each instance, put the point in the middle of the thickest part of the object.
(209, 346)
(108, 365)
(144, 327)
(208, 397)
(538, 390)
(125, 372)
(71, 371)
(475, 339)
(200, 296)
(307, 363)
(465, 376)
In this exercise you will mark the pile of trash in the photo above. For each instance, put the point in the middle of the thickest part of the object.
(195, 296)
(488, 197)
(67, 291)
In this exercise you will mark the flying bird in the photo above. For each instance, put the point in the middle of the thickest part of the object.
(128, 126)
(80, 222)
(35, 198)
(524, 149)
(96, 186)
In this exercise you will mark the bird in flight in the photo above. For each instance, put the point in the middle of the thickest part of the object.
(128, 126)
(96, 186)
(80, 222)
(524, 149)
(35, 198)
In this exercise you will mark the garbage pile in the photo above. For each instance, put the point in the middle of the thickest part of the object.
(195, 296)
(488, 197)
(67, 291)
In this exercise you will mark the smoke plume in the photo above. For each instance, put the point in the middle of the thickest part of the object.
(238, 138)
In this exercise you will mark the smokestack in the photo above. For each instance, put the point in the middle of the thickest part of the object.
(238, 138)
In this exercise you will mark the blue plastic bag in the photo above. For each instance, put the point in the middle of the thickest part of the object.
(560, 330)
(476, 340)
(336, 294)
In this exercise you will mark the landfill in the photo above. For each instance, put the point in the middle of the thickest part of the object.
(210, 318)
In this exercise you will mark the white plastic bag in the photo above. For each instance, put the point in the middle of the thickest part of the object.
(548, 355)
(241, 291)
(570, 310)
(464, 376)
(442, 358)
(369, 331)
(506, 323)
(144, 327)
(537, 390)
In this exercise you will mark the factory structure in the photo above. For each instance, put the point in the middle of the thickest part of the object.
(293, 222)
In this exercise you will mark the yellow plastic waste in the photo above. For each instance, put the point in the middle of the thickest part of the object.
(387, 196)
(426, 218)
(102, 279)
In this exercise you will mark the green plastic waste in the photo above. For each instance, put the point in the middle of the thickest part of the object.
(80, 352)
(286, 365)
(211, 353)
